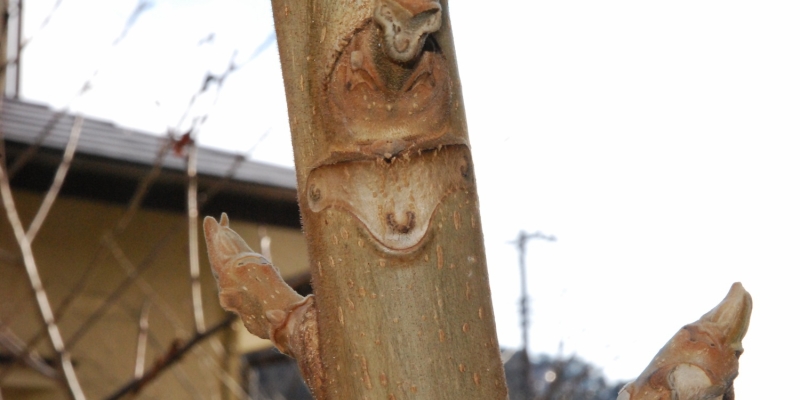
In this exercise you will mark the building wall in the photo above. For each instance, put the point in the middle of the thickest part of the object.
(105, 356)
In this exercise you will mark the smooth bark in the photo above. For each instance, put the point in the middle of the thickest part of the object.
(389, 206)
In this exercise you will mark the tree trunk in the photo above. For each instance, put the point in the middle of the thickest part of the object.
(388, 200)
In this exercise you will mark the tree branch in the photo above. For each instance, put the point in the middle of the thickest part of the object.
(58, 180)
(194, 246)
(141, 345)
(32, 359)
(36, 283)
(173, 355)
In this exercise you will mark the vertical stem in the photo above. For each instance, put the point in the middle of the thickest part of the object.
(194, 249)
(41, 296)
(141, 345)
(265, 241)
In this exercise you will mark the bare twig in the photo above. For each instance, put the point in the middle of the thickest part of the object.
(115, 294)
(141, 7)
(141, 346)
(265, 241)
(32, 359)
(160, 245)
(173, 355)
(225, 377)
(125, 263)
(162, 305)
(44, 23)
(141, 190)
(25, 42)
(58, 180)
(194, 247)
(28, 154)
(36, 283)
(101, 252)
(133, 207)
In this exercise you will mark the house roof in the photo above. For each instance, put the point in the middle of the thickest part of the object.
(111, 160)
(28, 123)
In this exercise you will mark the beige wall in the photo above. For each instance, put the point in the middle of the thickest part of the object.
(105, 355)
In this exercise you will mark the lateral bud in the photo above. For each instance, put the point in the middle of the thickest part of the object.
(250, 286)
(701, 361)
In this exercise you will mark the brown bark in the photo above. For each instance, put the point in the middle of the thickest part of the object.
(389, 206)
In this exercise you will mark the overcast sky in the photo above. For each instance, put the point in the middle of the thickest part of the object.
(658, 141)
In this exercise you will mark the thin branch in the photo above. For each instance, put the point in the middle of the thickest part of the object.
(102, 252)
(120, 289)
(194, 247)
(141, 7)
(265, 241)
(141, 346)
(160, 245)
(208, 80)
(127, 265)
(58, 180)
(173, 355)
(122, 224)
(25, 42)
(36, 283)
(29, 152)
(226, 378)
(141, 190)
(148, 291)
(44, 23)
(32, 359)
(133, 207)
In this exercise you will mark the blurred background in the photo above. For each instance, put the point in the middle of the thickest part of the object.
(657, 143)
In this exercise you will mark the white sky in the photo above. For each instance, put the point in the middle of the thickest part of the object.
(659, 141)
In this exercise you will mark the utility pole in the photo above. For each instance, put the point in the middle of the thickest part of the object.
(3, 44)
(11, 14)
(522, 244)
(18, 51)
